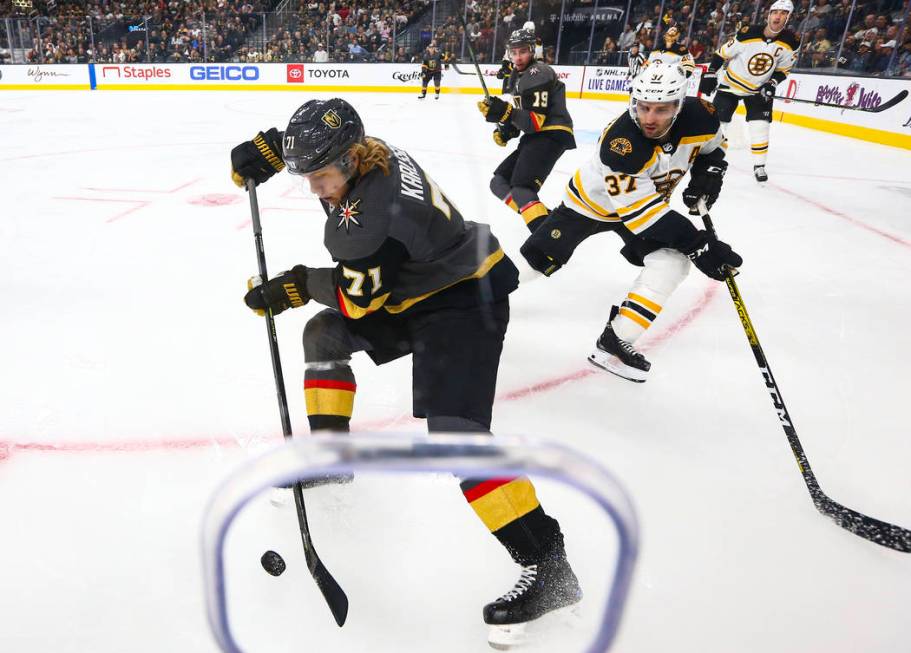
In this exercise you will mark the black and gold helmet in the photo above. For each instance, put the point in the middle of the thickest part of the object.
(320, 133)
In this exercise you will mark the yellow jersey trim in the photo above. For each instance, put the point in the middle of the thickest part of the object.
(483, 269)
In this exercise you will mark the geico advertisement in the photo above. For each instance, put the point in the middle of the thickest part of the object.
(201, 75)
(854, 94)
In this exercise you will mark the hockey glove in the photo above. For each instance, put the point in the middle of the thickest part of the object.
(714, 258)
(708, 83)
(767, 90)
(495, 109)
(505, 69)
(287, 290)
(503, 133)
(258, 159)
(706, 177)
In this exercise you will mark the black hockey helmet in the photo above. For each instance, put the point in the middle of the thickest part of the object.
(320, 133)
(521, 37)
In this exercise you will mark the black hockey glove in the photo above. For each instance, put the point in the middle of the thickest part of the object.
(505, 69)
(503, 133)
(287, 290)
(705, 181)
(714, 258)
(258, 159)
(708, 83)
(767, 90)
(495, 109)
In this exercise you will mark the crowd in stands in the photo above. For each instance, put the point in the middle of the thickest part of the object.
(67, 31)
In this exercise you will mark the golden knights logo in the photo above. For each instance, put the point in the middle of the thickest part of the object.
(347, 215)
(332, 119)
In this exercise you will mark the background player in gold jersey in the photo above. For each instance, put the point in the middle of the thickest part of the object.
(625, 188)
(749, 67)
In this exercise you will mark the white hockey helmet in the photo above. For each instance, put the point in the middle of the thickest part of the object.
(529, 25)
(659, 82)
(782, 5)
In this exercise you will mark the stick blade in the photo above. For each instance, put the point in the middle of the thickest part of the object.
(891, 103)
(333, 593)
(876, 531)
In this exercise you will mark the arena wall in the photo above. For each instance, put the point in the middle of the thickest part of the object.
(891, 127)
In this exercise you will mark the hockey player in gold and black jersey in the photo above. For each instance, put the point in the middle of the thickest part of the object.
(625, 188)
(538, 112)
(412, 277)
(749, 67)
(432, 68)
(506, 63)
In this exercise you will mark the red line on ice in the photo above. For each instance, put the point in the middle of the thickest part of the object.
(145, 190)
(839, 214)
(7, 447)
(140, 204)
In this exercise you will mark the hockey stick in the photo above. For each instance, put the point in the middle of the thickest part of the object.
(879, 532)
(474, 59)
(882, 107)
(335, 596)
(461, 72)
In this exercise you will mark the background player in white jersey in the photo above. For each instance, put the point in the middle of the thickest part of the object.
(625, 188)
(749, 67)
(672, 52)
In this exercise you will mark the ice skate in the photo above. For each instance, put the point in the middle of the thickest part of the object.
(545, 594)
(760, 174)
(619, 357)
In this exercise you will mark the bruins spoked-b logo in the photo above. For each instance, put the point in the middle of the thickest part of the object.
(621, 146)
(332, 119)
(761, 63)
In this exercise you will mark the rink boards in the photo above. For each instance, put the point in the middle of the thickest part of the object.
(891, 127)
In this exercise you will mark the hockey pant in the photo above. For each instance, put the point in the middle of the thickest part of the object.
(759, 120)
(455, 359)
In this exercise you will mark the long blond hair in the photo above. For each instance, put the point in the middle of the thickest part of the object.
(371, 154)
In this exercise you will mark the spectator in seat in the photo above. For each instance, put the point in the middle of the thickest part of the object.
(626, 39)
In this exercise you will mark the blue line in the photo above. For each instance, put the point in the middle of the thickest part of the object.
(92, 83)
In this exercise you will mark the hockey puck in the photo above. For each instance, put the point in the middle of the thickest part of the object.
(273, 563)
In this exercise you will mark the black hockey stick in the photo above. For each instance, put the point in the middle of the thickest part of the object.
(880, 532)
(901, 95)
(335, 596)
(474, 59)
(461, 72)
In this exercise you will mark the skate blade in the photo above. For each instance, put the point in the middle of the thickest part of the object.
(512, 636)
(615, 366)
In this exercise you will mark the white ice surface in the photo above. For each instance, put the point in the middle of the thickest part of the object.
(132, 379)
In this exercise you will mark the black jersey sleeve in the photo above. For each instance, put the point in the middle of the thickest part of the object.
(623, 148)
(363, 285)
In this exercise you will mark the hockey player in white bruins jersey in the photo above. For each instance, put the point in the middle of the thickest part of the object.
(672, 52)
(625, 188)
(749, 67)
